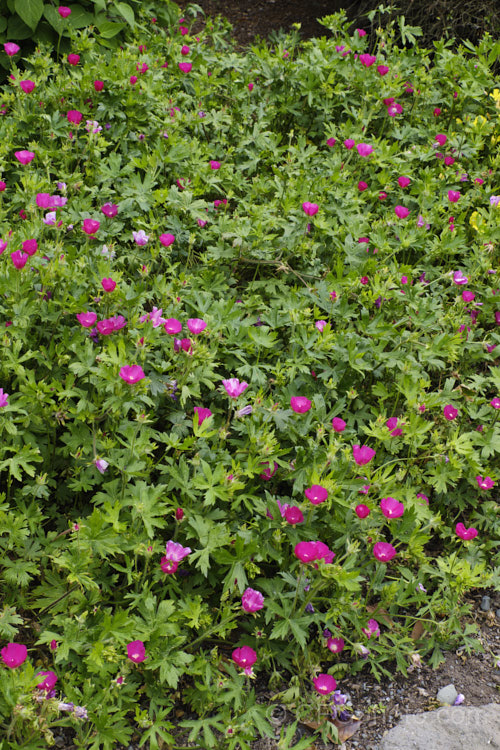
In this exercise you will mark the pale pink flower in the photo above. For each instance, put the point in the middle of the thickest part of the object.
(233, 387)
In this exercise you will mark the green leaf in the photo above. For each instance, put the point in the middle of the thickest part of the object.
(17, 29)
(126, 11)
(30, 11)
(80, 18)
(53, 17)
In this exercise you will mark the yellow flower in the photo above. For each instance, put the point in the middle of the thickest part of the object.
(473, 222)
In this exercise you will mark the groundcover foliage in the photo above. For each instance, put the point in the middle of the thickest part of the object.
(249, 378)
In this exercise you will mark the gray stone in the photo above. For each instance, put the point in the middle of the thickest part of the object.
(447, 695)
(498, 613)
(450, 728)
(485, 603)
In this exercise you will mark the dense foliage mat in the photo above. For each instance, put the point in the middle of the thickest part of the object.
(249, 385)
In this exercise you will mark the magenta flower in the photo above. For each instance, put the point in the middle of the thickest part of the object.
(185, 67)
(305, 551)
(401, 212)
(331, 142)
(372, 629)
(391, 508)
(3, 398)
(233, 387)
(324, 684)
(19, 259)
(320, 325)
(167, 239)
(48, 682)
(468, 296)
(349, 143)
(268, 473)
(403, 182)
(140, 237)
(338, 424)
(441, 139)
(14, 654)
(132, 374)
(30, 246)
(215, 165)
(110, 210)
(98, 85)
(252, 600)
(392, 425)
(310, 209)
(495, 403)
(24, 156)
(202, 414)
(91, 226)
(316, 494)
(459, 279)
(174, 553)
(449, 412)
(300, 404)
(74, 116)
(101, 465)
(335, 645)
(465, 534)
(73, 58)
(27, 86)
(11, 49)
(364, 149)
(108, 285)
(362, 186)
(362, 454)
(196, 325)
(382, 70)
(484, 484)
(293, 515)
(86, 319)
(362, 511)
(173, 326)
(136, 651)
(453, 196)
(64, 11)
(423, 497)
(367, 60)
(383, 551)
(245, 657)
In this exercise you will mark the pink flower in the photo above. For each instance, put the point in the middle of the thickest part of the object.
(453, 196)
(53, 645)
(48, 682)
(268, 473)
(382, 195)
(215, 165)
(19, 259)
(86, 319)
(24, 156)
(310, 209)
(27, 86)
(464, 533)
(11, 49)
(320, 325)
(335, 645)
(110, 210)
(64, 11)
(362, 511)
(392, 425)
(324, 684)
(140, 237)
(449, 160)
(132, 374)
(30, 247)
(91, 226)
(167, 239)
(3, 398)
(233, 387)
(362, 454)
(441, 139)
(468, 296)
(459, 279)
(403, 182)
(349, 143)
(196, 325)
(244, 657)
(74, 116)
(485, 484)
(367, 60)
(382, 70)
(136, 651)
(305, 551)
(449, 412)
(73, 58)
(294, 515)
(316, 494)
(372, 629)
(173, 326)
(436, 111)
(364, 149)
(338, 424)
(423, 497)
(361, 32)
(252, 600)
(362, 186)
(101, 465)
(133, 80)
(185, 50)
(185, 67)
(14, 654)
(331, 142)
(3, 185)
(394, 109)
(98, 85)
(174, 553)
(495, 403)
(401, 212)
(202, 414)
(383, 551)
(300, 404)
(108, 285)
(391, 508)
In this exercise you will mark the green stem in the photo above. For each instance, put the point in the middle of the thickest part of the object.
(213, 629)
